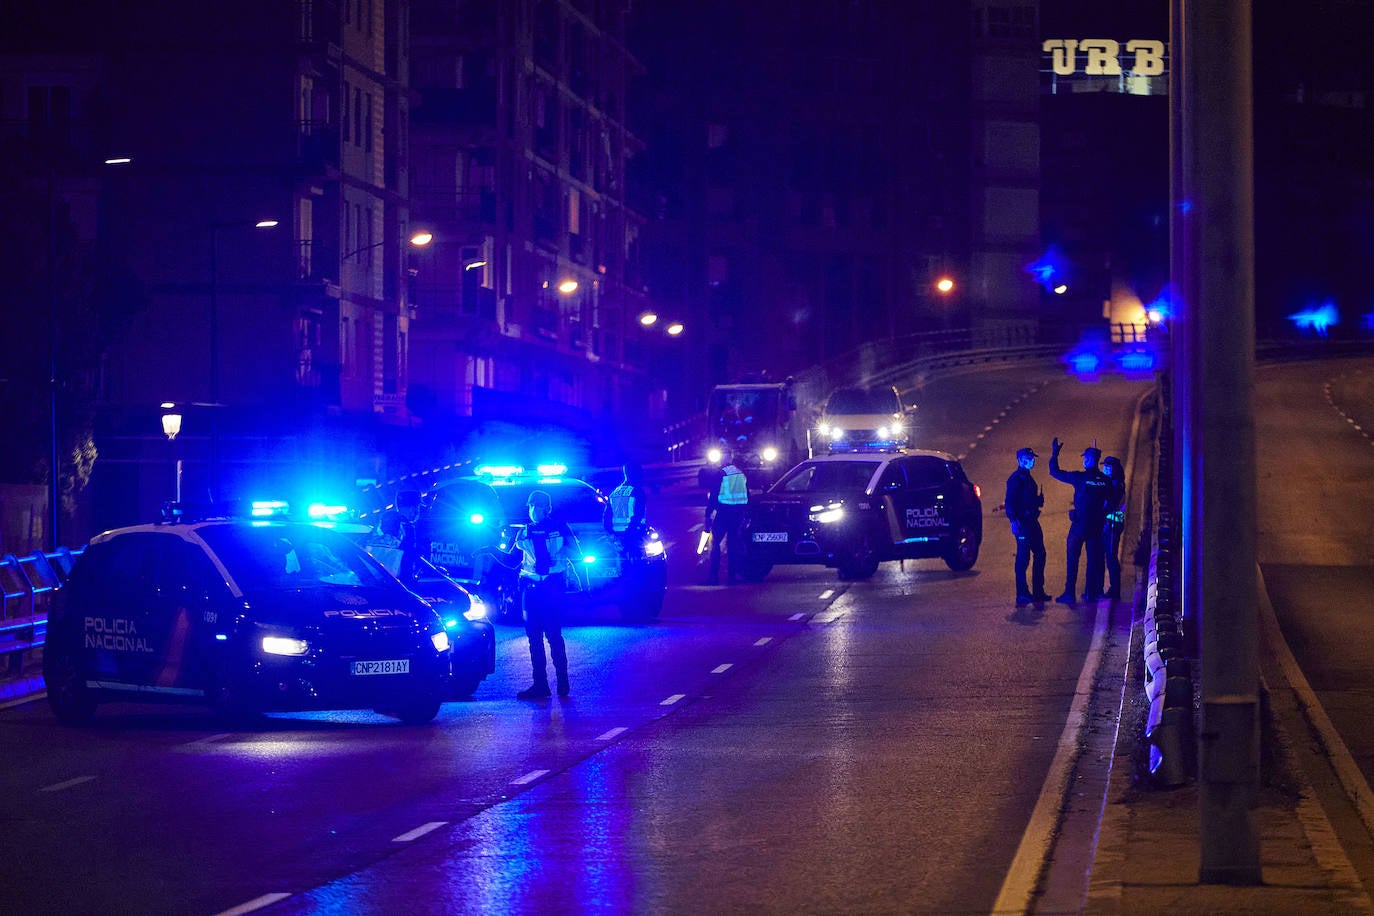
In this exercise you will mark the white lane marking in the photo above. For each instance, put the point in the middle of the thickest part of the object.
(256, 903)
(1348, 772)
(763, 640)
(59, 786)
(1034, 848)
(721, 669)
(530, 777)
(612, 733)
(418, 832)
(673, 699)
(825, 595)
(797, 617)
(208, 739)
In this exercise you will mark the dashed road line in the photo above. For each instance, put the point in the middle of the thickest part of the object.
(257, 903)
(208, 739)
(795, 617)
(612, 733)
(825, 595)
(763, 640)
(418, 832)
(59, 786)
(721, 669)
(675, 698)
(530, 777)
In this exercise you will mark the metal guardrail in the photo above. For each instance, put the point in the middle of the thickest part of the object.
(29, 583)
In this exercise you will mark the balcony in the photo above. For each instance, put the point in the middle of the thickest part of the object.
(447, 205)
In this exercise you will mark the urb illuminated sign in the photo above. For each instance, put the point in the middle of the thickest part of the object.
(1103, 56)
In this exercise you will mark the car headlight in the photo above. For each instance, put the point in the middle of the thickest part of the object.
(836, 433)
(440, 641)
(477, 609)
(823, 429)
(654, 548)
(285, 645)
(714, 456)
(883, 432)
(770, 453)
(827, 515)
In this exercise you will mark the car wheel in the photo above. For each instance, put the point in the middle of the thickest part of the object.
(419, 712)
(755, 570)
(230, 702)
(962, 552)
(644, 603)
(71, 700)
(465, 685)
(861, 563)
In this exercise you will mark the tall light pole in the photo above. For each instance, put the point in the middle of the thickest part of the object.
(214, 340)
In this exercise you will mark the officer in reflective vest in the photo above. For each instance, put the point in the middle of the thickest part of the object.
(624, 515)
(549, 554)
(725, 505)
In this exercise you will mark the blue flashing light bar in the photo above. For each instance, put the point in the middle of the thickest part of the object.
(269, 508)
(552, 470)
(500, 470)
(326, 511)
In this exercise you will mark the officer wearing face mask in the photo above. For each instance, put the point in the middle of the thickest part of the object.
(549, 555)
(1091, 489)
(1115, 524)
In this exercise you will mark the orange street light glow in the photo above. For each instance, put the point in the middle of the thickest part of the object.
(568, 286)
(944, 284)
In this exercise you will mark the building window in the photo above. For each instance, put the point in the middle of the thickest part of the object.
(347, 122)
(357, 116)
(367, 121)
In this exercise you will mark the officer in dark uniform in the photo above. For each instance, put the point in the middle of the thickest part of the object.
(549, 554)
(1022, 505)
(399, 524)
(1086, 520)
(726, 501)
(1115, 524)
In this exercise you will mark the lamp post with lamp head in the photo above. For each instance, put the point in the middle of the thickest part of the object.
(171, 426)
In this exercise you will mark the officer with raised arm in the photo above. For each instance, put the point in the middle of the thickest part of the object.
(1089, 514)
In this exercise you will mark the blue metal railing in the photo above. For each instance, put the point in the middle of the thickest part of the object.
(29, 583)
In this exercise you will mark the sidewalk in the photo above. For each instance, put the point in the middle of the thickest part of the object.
(1148, 853)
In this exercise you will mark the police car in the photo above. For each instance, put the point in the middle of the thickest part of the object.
(471, 519)
(853, 511)
(245, 615)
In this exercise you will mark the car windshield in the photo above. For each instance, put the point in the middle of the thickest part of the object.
(828, 476)
(463, 499)
(574, 502)
(290, 557)
(860, 400)
(735, 413)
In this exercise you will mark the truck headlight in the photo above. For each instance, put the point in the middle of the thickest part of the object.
(770, 453)
(285, 645)
(714, 455)
(836, 433)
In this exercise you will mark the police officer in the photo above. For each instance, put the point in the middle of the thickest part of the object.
(549, 554)
(399, 524)
(1086, 520)
(623, 517)
(1115, 523)
(1022, 504)
(725, 504)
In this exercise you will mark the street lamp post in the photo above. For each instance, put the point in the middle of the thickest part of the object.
(171, 425)
(214, 340)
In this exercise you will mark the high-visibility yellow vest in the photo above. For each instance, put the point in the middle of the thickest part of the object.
(734, 487)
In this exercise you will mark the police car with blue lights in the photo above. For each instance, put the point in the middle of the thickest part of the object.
(471, 519)
(245, 613)
(851, 512)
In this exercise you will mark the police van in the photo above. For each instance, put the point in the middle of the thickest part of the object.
(851, 512)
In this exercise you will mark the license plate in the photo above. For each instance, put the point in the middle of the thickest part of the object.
(770, 537)
(389, 666)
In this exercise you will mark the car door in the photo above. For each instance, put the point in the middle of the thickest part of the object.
(892, 496)
(927, 513)
(117, 632)
(187, 599)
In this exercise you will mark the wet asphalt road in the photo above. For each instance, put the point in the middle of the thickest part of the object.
(801, 744)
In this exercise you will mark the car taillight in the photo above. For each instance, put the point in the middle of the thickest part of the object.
(977, 491)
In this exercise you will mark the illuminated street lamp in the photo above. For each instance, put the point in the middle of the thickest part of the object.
(675, 328)
(648, 319)
(1061, 289)
(567, 287)
(171, 426)
(945, 285)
